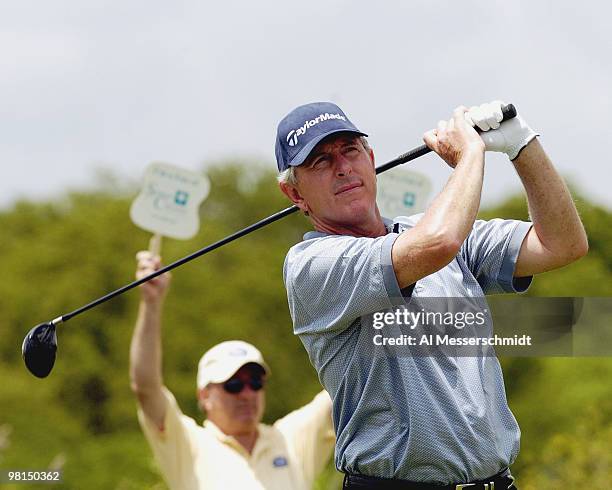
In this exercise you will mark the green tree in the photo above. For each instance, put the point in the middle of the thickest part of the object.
(61, 254)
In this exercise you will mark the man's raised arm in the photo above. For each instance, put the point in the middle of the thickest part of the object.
(145, 350)
(557, 237)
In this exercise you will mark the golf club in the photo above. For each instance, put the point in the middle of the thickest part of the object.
(39, 346)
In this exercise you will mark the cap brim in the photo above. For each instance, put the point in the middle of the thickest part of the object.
(230, 369)
(304, 152)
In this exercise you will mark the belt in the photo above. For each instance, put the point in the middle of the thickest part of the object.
(501, 481)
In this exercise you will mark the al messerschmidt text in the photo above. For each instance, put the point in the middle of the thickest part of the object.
(430, 339)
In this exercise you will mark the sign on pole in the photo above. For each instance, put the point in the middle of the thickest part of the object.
(169, 201)
(402, 192)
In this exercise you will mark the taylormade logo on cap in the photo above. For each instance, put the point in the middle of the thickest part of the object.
(292, 137)
(305, 126)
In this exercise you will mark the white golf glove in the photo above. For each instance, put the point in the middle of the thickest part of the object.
(509, 137)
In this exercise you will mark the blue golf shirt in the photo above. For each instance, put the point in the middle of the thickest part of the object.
(428, 419)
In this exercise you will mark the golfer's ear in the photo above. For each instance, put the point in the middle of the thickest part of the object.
(293, 194)
(371, 153)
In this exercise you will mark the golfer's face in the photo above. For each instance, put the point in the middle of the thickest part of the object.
(236, 412)
(338, 181)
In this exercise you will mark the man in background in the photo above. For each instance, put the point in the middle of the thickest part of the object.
(232, 449)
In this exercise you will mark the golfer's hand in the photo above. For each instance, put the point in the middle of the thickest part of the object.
(509, 137)
(454, 139)
(154, 291)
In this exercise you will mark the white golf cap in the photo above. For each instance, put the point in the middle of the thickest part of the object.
(219, 363)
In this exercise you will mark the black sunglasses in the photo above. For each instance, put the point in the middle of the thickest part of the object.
(236, 385)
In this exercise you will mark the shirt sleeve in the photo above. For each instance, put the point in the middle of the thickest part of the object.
(310, 435)
(172, 446)
(333, 280)
(491, 251)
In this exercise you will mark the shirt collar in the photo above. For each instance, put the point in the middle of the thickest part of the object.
(232, 441)
(218, 433)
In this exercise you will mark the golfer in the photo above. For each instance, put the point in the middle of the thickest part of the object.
(232, 449)
(414, 422)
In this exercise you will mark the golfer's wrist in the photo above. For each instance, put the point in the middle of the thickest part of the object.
(518, 135)
(515, 153)
(472, 153)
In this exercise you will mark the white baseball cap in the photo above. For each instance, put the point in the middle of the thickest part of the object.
(219, 363)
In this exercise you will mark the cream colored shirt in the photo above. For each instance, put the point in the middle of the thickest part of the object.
(287, 455)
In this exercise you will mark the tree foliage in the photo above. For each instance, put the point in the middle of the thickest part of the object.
(61, 254)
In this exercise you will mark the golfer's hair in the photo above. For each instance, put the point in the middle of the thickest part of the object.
(288, 176)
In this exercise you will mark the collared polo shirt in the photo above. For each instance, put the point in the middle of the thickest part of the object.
(287, 455)
(428, 419)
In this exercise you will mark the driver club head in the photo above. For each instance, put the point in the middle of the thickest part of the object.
(38, 349)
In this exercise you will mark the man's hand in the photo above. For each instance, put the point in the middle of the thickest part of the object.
(154, 291)
(454, 139)
(509, 137)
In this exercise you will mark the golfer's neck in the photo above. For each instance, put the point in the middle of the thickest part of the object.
(372, 228)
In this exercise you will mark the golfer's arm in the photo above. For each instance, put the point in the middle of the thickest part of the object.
(438, 236)
(146, 362)
(557, 237)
